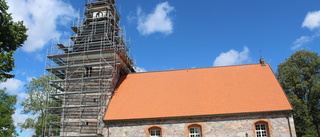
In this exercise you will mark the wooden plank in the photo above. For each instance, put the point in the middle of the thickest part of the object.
(61, 46)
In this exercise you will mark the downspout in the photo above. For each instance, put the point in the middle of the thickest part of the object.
(107, 126)
(288, 118)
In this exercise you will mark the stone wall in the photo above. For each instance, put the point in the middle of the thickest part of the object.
(211, 126)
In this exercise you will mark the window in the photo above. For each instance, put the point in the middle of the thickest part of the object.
(88, 72)
(194, 132)
(261, 130)
(155, 133)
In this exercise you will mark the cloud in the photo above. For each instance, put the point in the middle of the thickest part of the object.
(42, 18)
(139, 69)
(312, 20)
(131, 18)
(21, 96)
(157, 21)
(300, 42)
(20, 118)
(232, 57)
(12, 85)
(30, 78)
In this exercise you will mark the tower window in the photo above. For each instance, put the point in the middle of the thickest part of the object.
(88, 72)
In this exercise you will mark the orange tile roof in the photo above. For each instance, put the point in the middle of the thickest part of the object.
(194, 92)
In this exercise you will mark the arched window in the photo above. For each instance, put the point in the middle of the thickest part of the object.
(99, 14)
(154, 131)
(262, 129)
(194, 130)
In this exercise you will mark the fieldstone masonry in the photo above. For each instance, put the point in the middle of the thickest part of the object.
(280, 123)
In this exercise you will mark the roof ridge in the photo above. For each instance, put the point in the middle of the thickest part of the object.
(266, 64)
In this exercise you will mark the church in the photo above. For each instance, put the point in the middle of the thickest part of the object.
(98, 93)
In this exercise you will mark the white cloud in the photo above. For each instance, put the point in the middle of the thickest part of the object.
(312, 20)
(12, 85)
(21, 96)
(232, 57)
(131, 18)
(41, 18)
(30, 78)
(157, 21)
(139, 69)
(20, 118)
(300, 42)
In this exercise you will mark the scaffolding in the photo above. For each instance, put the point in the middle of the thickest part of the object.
(87, 70)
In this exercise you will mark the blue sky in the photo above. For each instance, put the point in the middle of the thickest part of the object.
(174, 34)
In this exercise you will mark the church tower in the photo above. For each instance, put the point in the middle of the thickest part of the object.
(86, 72)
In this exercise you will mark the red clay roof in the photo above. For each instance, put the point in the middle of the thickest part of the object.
(195, 92)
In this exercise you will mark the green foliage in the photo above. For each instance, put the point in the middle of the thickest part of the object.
(7, 63)
(12, 36)
(37, 104)
(299, 76)
(7, 102)
(308, 136)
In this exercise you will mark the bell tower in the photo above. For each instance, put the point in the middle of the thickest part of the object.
(86, 72)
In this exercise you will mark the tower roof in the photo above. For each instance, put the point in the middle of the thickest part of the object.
(197, 92)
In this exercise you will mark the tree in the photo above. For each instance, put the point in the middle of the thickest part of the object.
(299, 76)
(12, 36)
(7, 102)
(37, 104)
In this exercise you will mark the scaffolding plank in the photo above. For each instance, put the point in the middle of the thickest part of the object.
(79, 65)
(64, 48)
(83, 78)
(97, 8)
(78, 106)
(89, 52)
(75, 29)
(84, 92)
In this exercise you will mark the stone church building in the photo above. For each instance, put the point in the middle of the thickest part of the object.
(99, 94)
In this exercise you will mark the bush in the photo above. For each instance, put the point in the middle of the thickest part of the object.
(308, 136)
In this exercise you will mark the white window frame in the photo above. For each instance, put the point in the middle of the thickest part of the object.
(99, 14)
(261, 130)
(155, 132)
(196, 132)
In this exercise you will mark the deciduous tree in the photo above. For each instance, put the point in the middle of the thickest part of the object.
(299, 76)
(37, 104)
